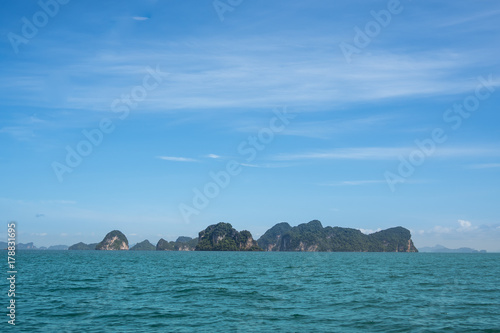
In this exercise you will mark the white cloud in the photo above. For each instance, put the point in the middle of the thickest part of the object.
(140, 18)
(213, 156)
(465, 226)
(368, 231)
(176, 159)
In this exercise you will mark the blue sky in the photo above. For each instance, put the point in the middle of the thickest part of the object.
(178, 93)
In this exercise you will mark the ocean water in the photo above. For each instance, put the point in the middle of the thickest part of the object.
(103, 291)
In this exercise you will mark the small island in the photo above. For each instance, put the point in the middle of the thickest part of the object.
(113, 241)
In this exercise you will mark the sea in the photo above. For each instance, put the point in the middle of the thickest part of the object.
(127, 291)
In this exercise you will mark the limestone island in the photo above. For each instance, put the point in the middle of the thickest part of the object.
(306, 237)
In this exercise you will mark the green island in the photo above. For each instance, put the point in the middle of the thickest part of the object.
(306, 237)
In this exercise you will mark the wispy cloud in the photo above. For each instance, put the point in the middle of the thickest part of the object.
(218, 73)
(214, 156)
(176, 159)
(380, 153)
(140, 18)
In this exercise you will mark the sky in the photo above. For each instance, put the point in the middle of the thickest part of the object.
(159, 118)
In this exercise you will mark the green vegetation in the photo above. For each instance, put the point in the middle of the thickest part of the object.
(181, 244)
(313, 237)
(223, 237)
(143, 246)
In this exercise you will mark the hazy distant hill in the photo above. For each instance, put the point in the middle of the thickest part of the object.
(441, 249)
(30, 246)
(27, 246)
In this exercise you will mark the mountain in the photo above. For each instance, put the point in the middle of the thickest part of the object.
(3, 245)
(223, 237)
(182, 243)
(114, 240)
(442, 249)
(82, 246)
(143, 246)
(313, 237)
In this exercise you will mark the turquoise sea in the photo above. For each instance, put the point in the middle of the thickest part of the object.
(98, 291)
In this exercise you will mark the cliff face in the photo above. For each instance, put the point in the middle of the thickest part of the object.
(223, 237)
(181, 244)
(115, 240)
(312, 237)
(271, 240)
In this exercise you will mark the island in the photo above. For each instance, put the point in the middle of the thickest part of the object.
(313, 237)
(223, 237)
(113, 241)
(305, 237)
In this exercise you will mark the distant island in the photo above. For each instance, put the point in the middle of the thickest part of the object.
(306, 237)
(31, 246)
(441, 249)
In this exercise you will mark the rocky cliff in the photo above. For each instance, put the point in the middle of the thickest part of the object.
(115, 240)
(223, 237)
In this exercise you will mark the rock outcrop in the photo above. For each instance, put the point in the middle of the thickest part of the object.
(223, 237)
(115, 240)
